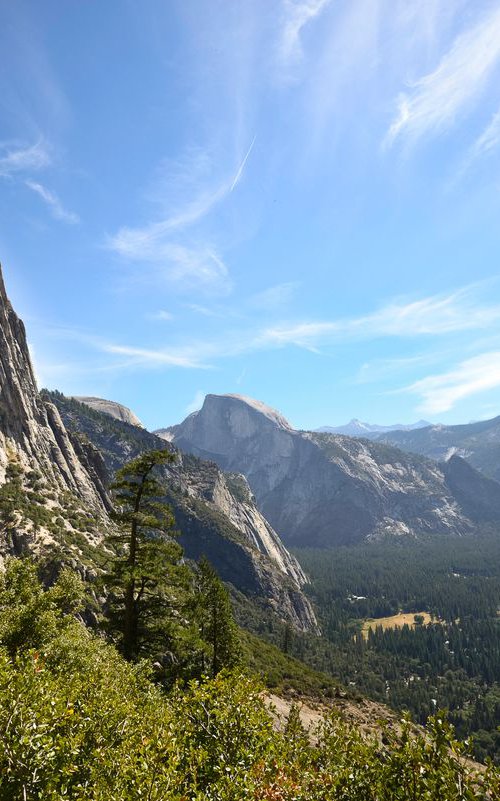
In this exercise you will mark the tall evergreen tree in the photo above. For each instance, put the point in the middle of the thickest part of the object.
(148, 581)
(215, 619)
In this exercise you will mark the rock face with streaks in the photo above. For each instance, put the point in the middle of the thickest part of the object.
(31, 430)
(65, 452)
(320, 489)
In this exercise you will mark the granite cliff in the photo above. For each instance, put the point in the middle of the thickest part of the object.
(320, 489)
(116, 410)
(31, 430)
(215, 513)
(57, 457)
(46, 477)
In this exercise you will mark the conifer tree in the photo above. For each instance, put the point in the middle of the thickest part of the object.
(148, 581)
(215, 618)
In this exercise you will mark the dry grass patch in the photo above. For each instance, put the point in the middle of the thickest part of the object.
(411, 619)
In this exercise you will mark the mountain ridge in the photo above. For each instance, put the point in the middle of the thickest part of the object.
(54, 481)
(327, 489)
(215, 513)
(358, 428)
(114, 409)
(478, 443)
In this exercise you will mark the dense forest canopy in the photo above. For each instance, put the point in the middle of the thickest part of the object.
(453, 662)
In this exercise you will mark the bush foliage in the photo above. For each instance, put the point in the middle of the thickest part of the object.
(79, 722)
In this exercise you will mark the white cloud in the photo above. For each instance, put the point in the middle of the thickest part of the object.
(193, 268)
(434, 102)
(50, 198)
(275, 296)
(484, 144)
(489, 139)
(205, 311)
(147, 242)
(297, 14)
(435, 315)
(162, 315)
(21, 159)
(439, 393)
(144, 357)
(184, 260)
(189, 268)
(381, 368)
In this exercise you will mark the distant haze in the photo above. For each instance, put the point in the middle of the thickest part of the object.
(356, 428)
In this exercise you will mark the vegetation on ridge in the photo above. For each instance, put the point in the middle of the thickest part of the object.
(79, 723)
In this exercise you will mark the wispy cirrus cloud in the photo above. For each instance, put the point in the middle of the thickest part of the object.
(435, 315)
(161, 315)
(16, 159)
(275, 296)
(485, 144)
(433, 104)
(378, 369)
(54, 204)
(296, 15)
(183, 259)
(440, 393)
(161, 357)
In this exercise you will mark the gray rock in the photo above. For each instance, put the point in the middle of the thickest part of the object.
(478, 443)
(215, 513)
(116, 410)
(31, 430)
(320, 489)
(77, 449)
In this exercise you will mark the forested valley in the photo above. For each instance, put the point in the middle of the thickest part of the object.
(451, 662)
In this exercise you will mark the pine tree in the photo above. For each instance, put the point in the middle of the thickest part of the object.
(216, 623)
(148, 581)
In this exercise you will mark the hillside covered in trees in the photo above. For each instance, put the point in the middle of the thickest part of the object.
(80, 723)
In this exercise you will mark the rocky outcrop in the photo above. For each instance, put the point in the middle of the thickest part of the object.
(31, 430)
(116, 410)
(215, 513)
(479, 497)
(323, 489)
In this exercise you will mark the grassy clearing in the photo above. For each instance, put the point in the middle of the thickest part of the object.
(397, 621)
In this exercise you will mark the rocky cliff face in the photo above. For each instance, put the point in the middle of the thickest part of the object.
(323, 489)
(215, 513)
(116, 410)
(31, 431)
(55, 470)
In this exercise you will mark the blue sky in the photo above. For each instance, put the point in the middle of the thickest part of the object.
(293, 200)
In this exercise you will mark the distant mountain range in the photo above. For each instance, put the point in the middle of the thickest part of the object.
(478, 443)
(356, 428)
(322, 489)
